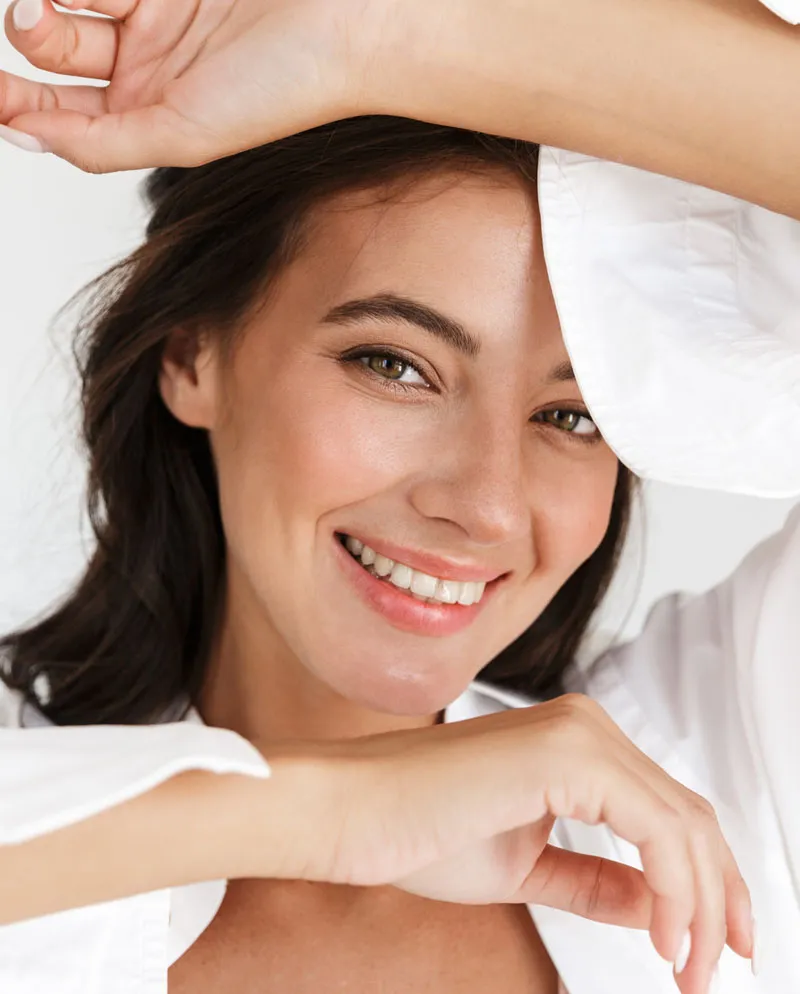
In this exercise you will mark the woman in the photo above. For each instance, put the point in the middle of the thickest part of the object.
(311, 395)
(363, 357)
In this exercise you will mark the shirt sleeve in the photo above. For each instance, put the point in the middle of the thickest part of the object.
(51, 777)
(789, 10)
(666, 290)
(712, 687)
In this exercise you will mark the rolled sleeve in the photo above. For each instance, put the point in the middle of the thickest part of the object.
(789, 10)
(51, 777)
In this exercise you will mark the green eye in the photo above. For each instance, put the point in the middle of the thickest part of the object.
(387, 366)
(393, 368)
(572, 422)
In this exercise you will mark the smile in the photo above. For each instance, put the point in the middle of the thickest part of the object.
(424, 587)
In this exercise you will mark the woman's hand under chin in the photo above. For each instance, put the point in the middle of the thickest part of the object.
(463, 812)
(189, 80)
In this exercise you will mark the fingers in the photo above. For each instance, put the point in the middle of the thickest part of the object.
(591, 887)
(740, 924)
(723, 913)
(724, 898)
(708, 930)
(120, 9)
(23, 96)
(639, 815)
(69, 44)
(148, 137)
(697, 890)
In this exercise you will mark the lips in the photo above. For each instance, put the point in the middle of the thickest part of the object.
(400, 607)
(423, 586)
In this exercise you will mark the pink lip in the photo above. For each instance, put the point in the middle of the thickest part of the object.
(402, 610)
(424, 562)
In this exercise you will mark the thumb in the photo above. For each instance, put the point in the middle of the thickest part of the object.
(136, 139)
(589, 886)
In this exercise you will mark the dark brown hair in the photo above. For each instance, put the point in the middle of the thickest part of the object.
(132, 637)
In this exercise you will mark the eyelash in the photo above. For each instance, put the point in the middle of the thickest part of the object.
(583, 414)
(360, 355)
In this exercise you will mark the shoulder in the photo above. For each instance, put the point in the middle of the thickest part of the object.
(710, 672)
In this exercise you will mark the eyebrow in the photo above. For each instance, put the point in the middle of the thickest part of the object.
(395, 307)
(392, 307)
(562, 373)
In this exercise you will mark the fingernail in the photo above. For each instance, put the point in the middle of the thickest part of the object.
(27, 14)
(21, 140)
(756, 960)
(683, 953)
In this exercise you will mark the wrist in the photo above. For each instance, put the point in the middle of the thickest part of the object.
(455, 62)
(283, 827)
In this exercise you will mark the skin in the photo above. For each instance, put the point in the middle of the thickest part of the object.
(476, 472)
(492, 777)
(307, 447)
(704, 90)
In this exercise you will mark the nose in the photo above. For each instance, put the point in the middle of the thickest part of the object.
(477, 483)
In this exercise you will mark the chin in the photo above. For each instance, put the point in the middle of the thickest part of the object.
(401, 690)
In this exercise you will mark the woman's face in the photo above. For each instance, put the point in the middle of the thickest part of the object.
(404, 394)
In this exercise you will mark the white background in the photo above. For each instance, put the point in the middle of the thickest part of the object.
(58, 229)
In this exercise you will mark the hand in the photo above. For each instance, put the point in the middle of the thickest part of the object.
(463, 813)
(189, 80)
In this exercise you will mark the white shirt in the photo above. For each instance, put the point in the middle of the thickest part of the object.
(709, 690)
(789, 10)
(662, 289)
(679, 307)
(57, 776)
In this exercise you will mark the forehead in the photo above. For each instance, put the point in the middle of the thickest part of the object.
(468, 245)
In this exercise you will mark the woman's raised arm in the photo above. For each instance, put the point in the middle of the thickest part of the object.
(705, 90)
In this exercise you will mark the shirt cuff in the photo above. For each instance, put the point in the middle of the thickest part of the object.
(54, 777)
(789, 10)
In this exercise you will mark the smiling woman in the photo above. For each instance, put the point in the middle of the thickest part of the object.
(340, 466)
(355, 337)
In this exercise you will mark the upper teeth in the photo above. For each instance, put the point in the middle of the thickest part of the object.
(420, 585)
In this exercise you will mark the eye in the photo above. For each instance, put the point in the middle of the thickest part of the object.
(393, 367)
(571, 422)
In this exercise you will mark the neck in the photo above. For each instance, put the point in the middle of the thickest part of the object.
(255, 685)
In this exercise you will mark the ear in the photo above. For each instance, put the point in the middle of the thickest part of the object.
(189, 379)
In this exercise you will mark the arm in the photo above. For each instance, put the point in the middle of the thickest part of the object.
(181, 832)
(707, 90)
(460, 812)
(704, 90)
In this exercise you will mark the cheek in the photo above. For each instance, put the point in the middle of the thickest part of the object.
(299, 455)
(573, 513)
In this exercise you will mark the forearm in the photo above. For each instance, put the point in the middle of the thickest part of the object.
(705, 90)
(176, 834)
(195, 826)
